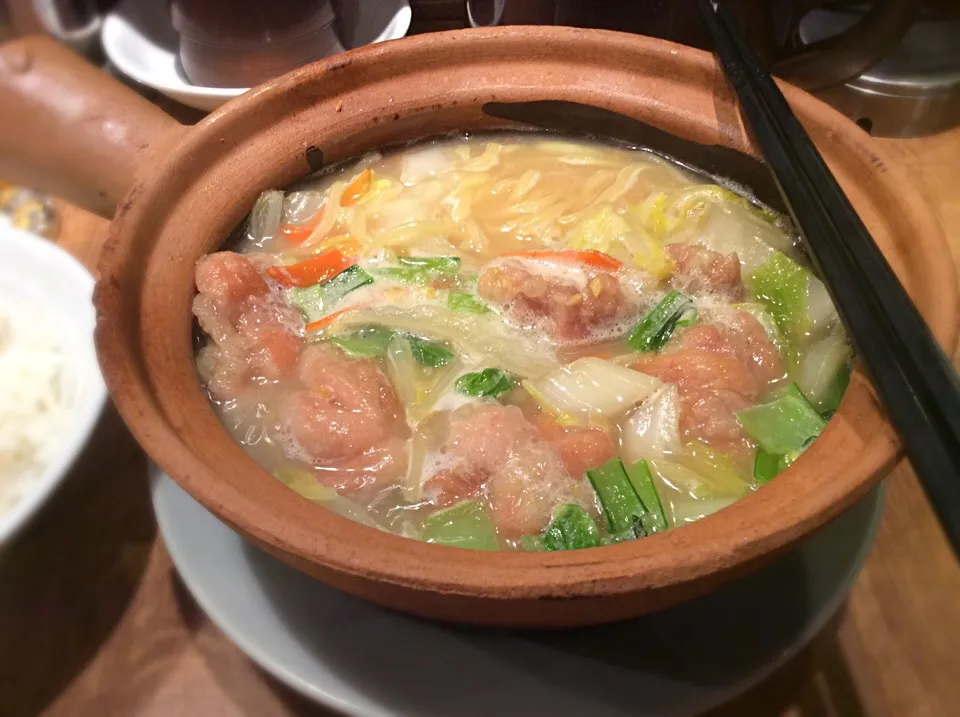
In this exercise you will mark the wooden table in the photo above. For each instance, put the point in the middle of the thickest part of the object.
(94, 622)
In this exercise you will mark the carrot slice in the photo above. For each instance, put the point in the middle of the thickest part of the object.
(587, 257)
(331, 319)
(357, 188)
(297, 233)
(315, 270)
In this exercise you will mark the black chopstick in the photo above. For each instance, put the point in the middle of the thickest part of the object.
(914, 378)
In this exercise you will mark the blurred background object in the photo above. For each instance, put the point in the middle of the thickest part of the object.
(915, 89)
(770, 27)
(241, 43)
(28, 210)
(141, 42)
(73, 22)
(891, 65)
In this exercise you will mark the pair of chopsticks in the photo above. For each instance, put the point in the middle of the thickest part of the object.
(914, 378)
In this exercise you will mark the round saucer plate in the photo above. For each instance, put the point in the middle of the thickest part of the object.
(139, 39)
(370, 662)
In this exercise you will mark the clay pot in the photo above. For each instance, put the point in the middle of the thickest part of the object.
(180, 191)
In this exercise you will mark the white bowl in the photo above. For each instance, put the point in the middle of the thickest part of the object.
(37, 270)
(139, 39)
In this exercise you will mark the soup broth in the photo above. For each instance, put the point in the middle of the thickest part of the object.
(518, 342)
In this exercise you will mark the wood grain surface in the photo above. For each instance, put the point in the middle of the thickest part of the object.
(94, 622)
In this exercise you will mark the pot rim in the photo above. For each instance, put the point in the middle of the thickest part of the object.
(686, 556)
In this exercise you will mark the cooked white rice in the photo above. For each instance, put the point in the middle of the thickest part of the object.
(36, 399)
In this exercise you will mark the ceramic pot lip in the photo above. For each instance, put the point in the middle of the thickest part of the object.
(306, 535)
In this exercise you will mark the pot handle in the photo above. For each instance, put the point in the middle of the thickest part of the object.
(69, 129)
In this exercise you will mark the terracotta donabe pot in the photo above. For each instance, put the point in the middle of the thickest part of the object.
(180, 191)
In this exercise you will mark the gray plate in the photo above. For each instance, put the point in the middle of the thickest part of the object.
(371, 662)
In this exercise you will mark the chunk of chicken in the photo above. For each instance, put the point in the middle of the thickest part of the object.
(501, 459)
(700, 269)
(718, 369)
(573, 311)
(579, 448)
(347, 407)
(250, 327)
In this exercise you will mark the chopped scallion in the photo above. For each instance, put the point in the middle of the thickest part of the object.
(657, 326)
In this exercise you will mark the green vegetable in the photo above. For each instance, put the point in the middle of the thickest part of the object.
(766, 466)
(783, 425)
(465, 525)
(571, 529)
(421, 269)
(780, 284)
(315, 301)
(433, 264)
(369, 342)
(429, 353)
(462, 301)
(653, 519)
(658, 325)
(489, 382)
(372, 342)
(619, 499)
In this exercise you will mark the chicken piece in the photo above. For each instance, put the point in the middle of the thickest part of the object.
(483, 437)
(709, 414)
(250, 327)
(347, 407)
(363, 475)
(718, 370)
(230, 282)
(743, 338)
(526, 490)
(700, 269)
(573, 311)
(501, 458)
(578, 448)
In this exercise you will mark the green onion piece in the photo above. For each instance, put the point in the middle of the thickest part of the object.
(658, 325)
(571, 529)
(429, 353)
(766, 466)
(784, 425)
(464, 525)
(462, 301)
(619, 499)
(372, 342)
(317, 300)
(433, 264)
(367, 342)
(420, 269)
(489, 382)
(653, 520)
